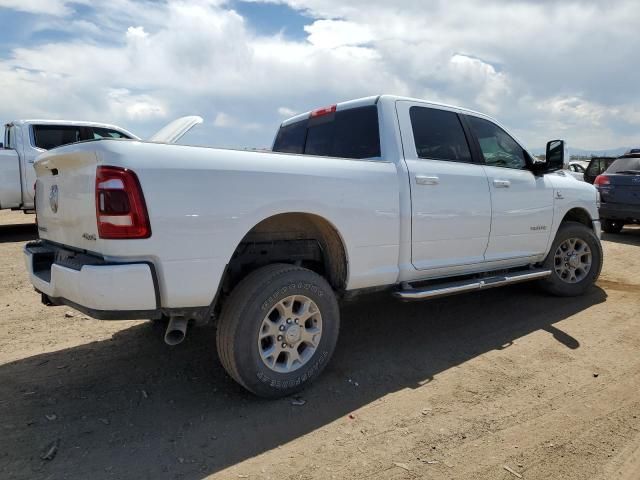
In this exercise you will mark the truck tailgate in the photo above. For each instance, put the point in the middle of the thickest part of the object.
(65, 197)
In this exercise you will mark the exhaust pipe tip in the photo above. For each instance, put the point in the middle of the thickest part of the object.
(176, 331)
(174, 337)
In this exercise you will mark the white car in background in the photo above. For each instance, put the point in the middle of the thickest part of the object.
(577, 169)
(25, 140)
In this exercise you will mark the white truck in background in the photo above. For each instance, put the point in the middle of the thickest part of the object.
(25, 140)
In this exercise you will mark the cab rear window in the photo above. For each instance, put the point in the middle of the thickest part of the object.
(351, 133)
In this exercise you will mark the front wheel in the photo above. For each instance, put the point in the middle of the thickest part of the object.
(575, 260)
(278, 330)
(612, 226)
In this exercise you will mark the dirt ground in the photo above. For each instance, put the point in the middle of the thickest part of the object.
(504, 384)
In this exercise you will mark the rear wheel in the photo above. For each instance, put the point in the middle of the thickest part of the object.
(278, 330)
(575, 260)
(612, 226)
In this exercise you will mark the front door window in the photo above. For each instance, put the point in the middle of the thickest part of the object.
(497, 146)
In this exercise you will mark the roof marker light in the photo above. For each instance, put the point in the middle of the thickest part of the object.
(323, 111)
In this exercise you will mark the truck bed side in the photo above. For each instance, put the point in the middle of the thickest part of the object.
(203, 201)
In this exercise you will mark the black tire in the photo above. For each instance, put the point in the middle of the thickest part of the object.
(242, 318)
(554, 284)
(612, 226)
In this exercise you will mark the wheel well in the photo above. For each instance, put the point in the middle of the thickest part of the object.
(579, 215)
(298, 238)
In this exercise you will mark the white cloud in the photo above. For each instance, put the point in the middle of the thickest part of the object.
(136, 32)
(47, 7)
(223, 120)
(537, 66)
(286, 112)
(490, 87)
(337, 33)
(134, 107)
(576, 109)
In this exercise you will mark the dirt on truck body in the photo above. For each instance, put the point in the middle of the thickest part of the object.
(503, 384)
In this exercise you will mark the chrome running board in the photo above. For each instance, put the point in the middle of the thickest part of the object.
(451, 288)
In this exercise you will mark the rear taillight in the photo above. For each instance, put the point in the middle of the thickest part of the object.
(601, 180)
(120, 209)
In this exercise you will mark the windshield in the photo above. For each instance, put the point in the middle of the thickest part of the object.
(625, 164)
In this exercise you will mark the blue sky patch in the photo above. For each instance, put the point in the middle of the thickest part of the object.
(271, 18)
(15, 31)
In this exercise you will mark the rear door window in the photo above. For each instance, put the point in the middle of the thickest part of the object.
(52, 136)
(351, 133)
(438, 135)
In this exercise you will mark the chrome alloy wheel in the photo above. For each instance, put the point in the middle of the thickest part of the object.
(290, 334)
(572, 261)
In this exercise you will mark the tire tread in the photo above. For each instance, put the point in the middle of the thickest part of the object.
(552, 285)
(234, 307)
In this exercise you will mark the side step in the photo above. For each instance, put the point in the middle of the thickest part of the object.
(451, 288)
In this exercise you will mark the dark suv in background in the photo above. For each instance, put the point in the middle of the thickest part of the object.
(619, 188)
(597, 166)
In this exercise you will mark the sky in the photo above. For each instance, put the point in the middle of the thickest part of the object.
(546, 69)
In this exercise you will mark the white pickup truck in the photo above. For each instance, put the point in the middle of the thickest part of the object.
(382, 193)
(25, 140)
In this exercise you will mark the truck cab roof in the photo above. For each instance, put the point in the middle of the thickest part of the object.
(384, 98)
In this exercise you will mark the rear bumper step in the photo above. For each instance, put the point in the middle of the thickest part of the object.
(92, 285)
(452, 288)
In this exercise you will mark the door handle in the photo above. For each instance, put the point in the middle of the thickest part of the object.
(427, 180)
(501, 183)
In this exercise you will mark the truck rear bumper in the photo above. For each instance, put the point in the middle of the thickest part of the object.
(109, 291)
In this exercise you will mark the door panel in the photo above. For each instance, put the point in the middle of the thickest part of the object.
(451, 207)
(522, 207)
(451, 215)
(521, 203)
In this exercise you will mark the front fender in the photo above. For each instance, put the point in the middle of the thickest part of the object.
(570, 198)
